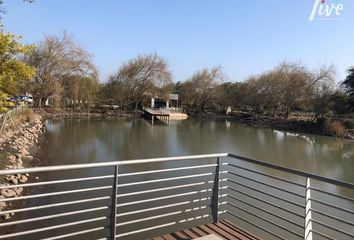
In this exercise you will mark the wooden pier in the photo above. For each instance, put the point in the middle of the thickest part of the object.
(156, 114)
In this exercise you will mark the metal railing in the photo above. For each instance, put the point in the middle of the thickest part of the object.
(138, 199)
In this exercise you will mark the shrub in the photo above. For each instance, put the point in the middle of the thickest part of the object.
(334, 127)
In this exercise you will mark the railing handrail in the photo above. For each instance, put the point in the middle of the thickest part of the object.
(107, 164)
(177, 158)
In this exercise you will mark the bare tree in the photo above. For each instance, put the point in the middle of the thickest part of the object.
(204, 84)
(322, 97)
(289, 86)
(80, 90)
(186, 93)
(255, 93)
(307, 87)
(294, 85)
(57, 58)
(140, 77)
(112, 92)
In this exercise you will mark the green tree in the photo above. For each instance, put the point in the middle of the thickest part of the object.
(13, 72)
(339, 99)
(349, 86)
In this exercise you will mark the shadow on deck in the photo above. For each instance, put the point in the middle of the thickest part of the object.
(223, 229)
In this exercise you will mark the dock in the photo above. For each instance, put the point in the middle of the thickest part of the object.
(156, 114)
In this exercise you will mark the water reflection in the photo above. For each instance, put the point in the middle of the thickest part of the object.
(93, 140)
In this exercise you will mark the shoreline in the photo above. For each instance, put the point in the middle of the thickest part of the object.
(46, 113)
(290, 125)
(18, 144)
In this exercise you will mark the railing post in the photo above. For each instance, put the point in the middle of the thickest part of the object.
(215, 194)
(113, 225)
(308, 212)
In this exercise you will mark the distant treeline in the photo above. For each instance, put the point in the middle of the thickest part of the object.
(60, 69)
(278, 92)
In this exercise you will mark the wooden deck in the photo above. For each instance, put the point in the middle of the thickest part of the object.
(223, 229)
(152, 114)
(156, 112)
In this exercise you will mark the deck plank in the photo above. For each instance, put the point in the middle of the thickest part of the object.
(239, 230)
(210, 231)
(224, 232)
(223, 229)
(198, 231)
(191, 234)
(168, 237)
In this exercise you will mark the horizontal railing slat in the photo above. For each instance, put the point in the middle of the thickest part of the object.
(267, 175)
(55, 205)
(293, 171)
(167, 159)
(154, 208)
(62, 181)
(332, 206)
(332, 217)
(56, 193)
(332, 194)
(165, 179)
(323, 235)
(256, 225)
(266, 220)
(163, 189)
(166, 170)
(268, 194)
(268, 212)
(75, 234)
(333, 228)
(266, 184)
(266, 202)
(165, 197)
(16, 234)
(53, 216)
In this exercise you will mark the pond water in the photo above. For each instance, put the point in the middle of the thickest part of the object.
(81, 140)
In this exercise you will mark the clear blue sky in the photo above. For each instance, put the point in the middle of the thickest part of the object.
(244, 36)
